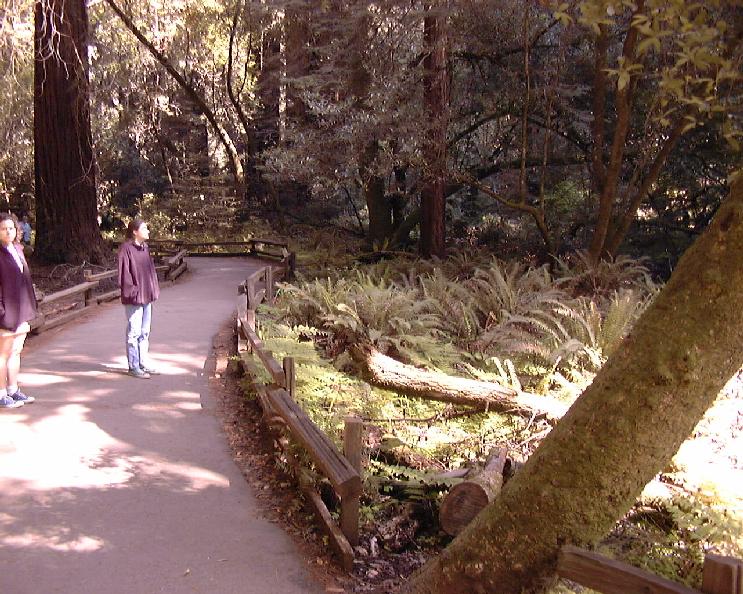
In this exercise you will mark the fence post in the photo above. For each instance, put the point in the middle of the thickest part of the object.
(269, 284)
(352, 438)
(290, 375)
(722, 575)
(88, 297)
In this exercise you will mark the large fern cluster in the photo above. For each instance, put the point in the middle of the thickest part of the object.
(475, 310)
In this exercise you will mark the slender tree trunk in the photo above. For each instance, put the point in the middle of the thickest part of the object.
(378, 207)
(610, 175)
(233, 157)
(64, 166)
(617, 233)
(598, 126)
(433, 198)
(619, 434)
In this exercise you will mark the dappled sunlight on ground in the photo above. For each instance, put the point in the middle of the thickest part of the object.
(36, 379)
(62, 542)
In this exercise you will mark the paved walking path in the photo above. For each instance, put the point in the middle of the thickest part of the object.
(111, 484)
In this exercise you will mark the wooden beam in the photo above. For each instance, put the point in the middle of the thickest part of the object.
(606, 575)
(270, 288)
(337, 539)
(177, 259)
(108, 296)
(81, 288)
(290, 373)
(722, 575)
(90, 276)
(350, 506)
(174, 274)
(271, 365)
(60, 320)
(344, 478)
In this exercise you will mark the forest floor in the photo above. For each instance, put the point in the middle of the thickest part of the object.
(709, 465)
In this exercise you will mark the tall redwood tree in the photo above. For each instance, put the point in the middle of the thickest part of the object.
(433, 197)
(64, 166)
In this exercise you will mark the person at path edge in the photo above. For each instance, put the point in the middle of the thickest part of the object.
(17, 307)
(139, 289)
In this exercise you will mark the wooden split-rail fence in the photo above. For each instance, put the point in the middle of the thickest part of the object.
(282, 413)
(61, 307)
(79, 299)
(721, 575)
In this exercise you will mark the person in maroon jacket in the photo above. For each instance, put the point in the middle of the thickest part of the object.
(139, 289)
(17, 308)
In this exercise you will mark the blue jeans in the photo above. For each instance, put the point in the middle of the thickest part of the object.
(138, 322)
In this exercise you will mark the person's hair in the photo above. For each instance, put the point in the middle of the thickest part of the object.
(133, 226)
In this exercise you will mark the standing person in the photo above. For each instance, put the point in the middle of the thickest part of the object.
(139, 288)
(17, 307)
(26, 230)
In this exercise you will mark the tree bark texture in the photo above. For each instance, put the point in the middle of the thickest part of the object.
(620, 432)
(64, 166)
(387, 372)
(433, 198)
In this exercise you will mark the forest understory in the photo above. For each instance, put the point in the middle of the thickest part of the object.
(545, 331)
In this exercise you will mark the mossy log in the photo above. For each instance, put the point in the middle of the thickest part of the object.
(467, 499)
(386, 372)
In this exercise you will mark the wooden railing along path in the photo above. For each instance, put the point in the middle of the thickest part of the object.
(260, 248)
(83, 296)
(721, 575)
(282, 413)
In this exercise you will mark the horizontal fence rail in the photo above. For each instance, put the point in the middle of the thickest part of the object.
(271, 249)
(75, 301)
(282, 413)
(721, 575)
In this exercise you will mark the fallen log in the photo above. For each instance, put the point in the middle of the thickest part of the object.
(386, 372)
(465, 500)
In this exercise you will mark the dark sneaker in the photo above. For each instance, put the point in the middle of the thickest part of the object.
(8, 402)
(21, 397)
(150, 370)
(139, 373)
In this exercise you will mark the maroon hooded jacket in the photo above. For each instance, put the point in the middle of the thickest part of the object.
(137, 274)
(17, 300)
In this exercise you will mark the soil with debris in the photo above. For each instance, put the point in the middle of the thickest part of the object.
(387, 553)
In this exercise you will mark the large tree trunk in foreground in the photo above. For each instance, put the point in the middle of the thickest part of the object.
(387, 372)
(621, 432)
(64, 168)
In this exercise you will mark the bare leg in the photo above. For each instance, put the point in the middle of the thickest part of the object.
(6, 351)
(14, 361)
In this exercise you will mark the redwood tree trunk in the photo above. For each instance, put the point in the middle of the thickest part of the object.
(619, 434)
(433, 199)
(64, 167)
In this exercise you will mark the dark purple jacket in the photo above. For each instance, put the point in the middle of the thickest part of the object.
(137, 275)
(17, 300)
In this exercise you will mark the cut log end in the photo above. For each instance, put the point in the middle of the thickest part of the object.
(463, 502)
